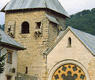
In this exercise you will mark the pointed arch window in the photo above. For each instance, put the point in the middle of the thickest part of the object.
(69, 42)
(25, 28)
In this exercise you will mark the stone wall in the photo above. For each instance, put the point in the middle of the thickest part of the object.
(25, 77)
(32, 57)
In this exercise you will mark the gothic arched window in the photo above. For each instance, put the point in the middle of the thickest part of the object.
(69, 42)
(25, 28)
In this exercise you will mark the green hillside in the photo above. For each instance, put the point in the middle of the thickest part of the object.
(84, 21)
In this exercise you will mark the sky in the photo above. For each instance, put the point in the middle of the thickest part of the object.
(71, 6)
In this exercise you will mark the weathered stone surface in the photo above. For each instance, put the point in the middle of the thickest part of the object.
(33, 57)
(77, 52)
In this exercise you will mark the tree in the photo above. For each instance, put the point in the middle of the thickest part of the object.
(84, 20)
(93, 10)
(2, 59)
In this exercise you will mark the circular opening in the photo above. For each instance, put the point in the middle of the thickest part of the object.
(69, 71)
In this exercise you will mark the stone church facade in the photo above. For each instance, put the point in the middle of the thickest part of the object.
(37, 24)
(73, 58)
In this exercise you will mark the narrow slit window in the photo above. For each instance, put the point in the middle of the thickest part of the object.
(0, 52)
(69, 42)
(25, 28)
(38, 25)
(26, 70)
(9, 57)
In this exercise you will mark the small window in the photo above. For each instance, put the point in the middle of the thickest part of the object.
(69, 42)
(26, 70)
(9, 57)
(0, 52)
(9, 77)
(38, 25)
(11, 28)
(25, 28)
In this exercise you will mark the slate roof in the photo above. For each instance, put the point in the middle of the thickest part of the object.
(31, 4)
(52, 19)
(6, 40)
(87, 39)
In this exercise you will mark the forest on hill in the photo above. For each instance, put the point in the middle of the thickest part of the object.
(84, 20)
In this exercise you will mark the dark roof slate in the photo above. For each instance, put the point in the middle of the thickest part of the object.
(7, 40)
(87, 39)
(31, 4)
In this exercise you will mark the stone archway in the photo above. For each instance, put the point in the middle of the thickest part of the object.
(68, 70)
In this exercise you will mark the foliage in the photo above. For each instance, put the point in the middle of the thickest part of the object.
(84, 21)
(2, 58)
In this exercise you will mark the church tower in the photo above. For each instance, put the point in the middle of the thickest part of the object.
(36, 25)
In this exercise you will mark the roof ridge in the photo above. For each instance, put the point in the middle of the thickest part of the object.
(53, 5)
(82, 31)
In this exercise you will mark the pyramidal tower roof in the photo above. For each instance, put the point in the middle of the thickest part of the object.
(32, 4)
